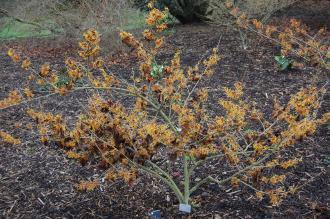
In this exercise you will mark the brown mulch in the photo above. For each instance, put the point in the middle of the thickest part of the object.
(38, 181)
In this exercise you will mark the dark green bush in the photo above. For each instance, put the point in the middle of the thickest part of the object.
(186, 11)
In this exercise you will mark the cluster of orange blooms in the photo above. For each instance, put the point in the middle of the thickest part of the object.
(156, 18)
(170, 112)
(13, 98)
(9, 138)
(15, 56)
(129, 176)
(90, 45)
(294, 39)
(298, 119)
(157, 25)
(88, 185)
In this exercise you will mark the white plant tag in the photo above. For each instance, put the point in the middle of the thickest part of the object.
(185, 208)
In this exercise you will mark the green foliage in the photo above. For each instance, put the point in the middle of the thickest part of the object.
(63, 79)
(168, 19)
(157, 70)
(327, 160)
(283, 62)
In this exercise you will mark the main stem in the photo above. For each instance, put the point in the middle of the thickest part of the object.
(186, 182)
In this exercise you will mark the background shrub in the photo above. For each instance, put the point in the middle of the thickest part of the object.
(188, 11)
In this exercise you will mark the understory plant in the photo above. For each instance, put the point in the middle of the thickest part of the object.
(283, 62)
(295, 39)
(165, 119)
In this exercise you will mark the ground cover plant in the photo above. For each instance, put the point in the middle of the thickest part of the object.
(163, 122)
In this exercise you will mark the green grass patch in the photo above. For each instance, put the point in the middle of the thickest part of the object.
(12, 29)
(131, 20)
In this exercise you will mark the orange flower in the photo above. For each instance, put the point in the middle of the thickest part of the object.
(83, 45)
(92, 36)
(28, 93)
(159, 42)
(125, 161)
(41, 82)
(71, 63)
(259, 148)
(229, 4)
(62, 91)
(44, 70)
(154, 16)
(203, 94)
(294, 23)
(129, 39)
(289, 163)
(150, 5)
(259, 195)
(12, 99)
(258, 25)
(8, 138)
(234, 181)
(127, 176)
(161, 27)
(213, 59)
(276, 179)
(26, 64)
(88, 185)
(98, 63)
(73, 155)
(275, 196)
(234, 94)
(242, 20)
(31, 77)
(270, 30)
(148, 35)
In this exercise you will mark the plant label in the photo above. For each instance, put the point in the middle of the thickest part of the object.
(155, 214)
(185, 208)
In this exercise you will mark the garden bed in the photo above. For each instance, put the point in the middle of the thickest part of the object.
(38, 181)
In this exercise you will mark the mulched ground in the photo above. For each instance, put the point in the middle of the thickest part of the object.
(38, 181)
